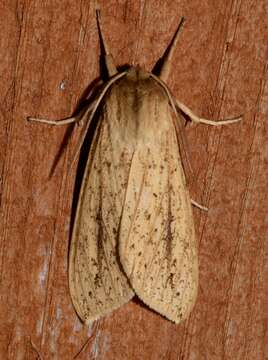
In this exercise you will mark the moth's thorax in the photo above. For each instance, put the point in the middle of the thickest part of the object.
(137, 108)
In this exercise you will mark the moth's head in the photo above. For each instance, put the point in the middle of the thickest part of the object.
(136, 73)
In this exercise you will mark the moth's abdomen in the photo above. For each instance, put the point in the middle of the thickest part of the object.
(136, 105)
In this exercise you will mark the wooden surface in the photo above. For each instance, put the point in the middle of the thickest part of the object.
(49, 53)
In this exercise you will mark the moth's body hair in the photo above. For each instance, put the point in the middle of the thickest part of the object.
(134, 231)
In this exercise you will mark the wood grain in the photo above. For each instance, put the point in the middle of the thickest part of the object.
(49, 56)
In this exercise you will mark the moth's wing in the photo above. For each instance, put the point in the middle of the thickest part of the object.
(97, 282)
(157, 239)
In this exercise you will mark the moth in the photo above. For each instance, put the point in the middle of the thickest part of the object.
(134, 231)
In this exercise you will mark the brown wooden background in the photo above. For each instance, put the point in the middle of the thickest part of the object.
(49, 53)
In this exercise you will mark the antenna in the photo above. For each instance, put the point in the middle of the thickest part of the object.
(167, 57)
(109, 62)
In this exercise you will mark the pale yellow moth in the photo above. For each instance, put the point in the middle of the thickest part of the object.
(134, 231)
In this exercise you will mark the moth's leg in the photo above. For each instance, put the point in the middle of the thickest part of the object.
(197, 119)
(79, 118)
(55, 122)
(196, 204)
(166, 66)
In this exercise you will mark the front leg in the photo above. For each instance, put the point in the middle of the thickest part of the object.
(78, 118)
(55, 122)
(197, 119)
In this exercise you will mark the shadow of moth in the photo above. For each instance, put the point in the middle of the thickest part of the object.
(134, 231)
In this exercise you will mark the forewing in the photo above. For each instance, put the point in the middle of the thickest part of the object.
(157, 239)
(97, 282)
